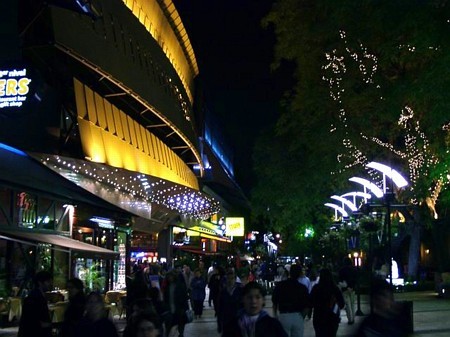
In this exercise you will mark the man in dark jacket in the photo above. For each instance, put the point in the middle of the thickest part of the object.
(291, 303)
(35, 320)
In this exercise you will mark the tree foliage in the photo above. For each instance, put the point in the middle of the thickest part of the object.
(371, 83)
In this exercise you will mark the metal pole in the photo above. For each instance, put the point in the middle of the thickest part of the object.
(388, 210)
(358, 293)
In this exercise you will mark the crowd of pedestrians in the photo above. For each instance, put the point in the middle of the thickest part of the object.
(159, 301)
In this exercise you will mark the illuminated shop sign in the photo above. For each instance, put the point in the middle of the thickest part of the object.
(14, 87)
(234, 226)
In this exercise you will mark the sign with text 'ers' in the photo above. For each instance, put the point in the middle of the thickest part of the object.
(234, 226)
(14, 87)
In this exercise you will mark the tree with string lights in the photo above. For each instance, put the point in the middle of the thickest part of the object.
(371, 83)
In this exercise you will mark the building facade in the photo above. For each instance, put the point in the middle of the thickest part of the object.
(99, 145)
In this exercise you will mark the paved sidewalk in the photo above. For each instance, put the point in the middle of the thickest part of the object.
(431, 318)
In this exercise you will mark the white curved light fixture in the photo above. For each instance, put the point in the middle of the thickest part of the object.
(388, 171)
(355, 194)
(345, 202)
(337, 208)
(369, 185)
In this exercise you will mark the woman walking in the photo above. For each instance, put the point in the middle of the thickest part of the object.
(327, 303)
(198, 293)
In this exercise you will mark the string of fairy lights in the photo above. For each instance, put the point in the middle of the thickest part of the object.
(185, 200)
(417, 152)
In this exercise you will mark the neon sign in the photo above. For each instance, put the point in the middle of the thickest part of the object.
(14, 87)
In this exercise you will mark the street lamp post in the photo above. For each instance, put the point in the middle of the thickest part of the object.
(358, 284)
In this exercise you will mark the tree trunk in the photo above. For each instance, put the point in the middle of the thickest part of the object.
(414, 247)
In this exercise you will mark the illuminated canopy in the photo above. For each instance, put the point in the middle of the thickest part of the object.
(131, 191)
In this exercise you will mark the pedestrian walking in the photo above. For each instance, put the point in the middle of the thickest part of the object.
(35, 320)
(214, 286)
(143, 307)
(229, 302)
(327, 301)
(347, 282)
(303, 279)
(176, 299)
(75, 309)
(198, 293)
(252, 320)
(291, 303)
(95, 322)
(385, 319)
(143, 326)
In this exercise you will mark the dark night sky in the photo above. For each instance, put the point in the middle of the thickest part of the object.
(234, 54)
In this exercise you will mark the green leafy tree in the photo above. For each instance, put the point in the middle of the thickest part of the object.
(371, 83)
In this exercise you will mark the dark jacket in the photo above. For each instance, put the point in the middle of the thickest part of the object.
(228, 307)
(73, 314)
(291, 296)
(198, 292)
(100, 328)
(35, 311)
(265, 326)
(349, 275)
(324, 299)
(180, 295)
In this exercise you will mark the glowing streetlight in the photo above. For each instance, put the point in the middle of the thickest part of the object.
(355, 194)
(345, 202)
(337, 209)
(368, 185)
(389, 172)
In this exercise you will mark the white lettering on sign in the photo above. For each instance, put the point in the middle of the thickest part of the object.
(14, 86)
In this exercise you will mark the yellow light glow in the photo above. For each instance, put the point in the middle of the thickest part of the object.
(234, 226)
(162, 21)
(103, 146)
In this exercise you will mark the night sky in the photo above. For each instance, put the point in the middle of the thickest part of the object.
(234, 54)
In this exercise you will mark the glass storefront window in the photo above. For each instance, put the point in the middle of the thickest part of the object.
(92, 273)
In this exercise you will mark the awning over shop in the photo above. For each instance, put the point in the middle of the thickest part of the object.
(132, 191)
(77, 248)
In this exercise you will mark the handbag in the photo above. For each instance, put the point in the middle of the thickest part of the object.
(189, 315)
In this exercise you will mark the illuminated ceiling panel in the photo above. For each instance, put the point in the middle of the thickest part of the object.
(131, 191)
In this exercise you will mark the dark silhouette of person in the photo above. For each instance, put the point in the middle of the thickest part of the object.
(75, 308)
(36, 320)
(198, 293)
(142, 307)
(348, 276)
(214, 286)
(291, 299)
(94, 322)
(229, 302)
(136, 288)
(386, 318)
(327, 301)
(175, 296)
